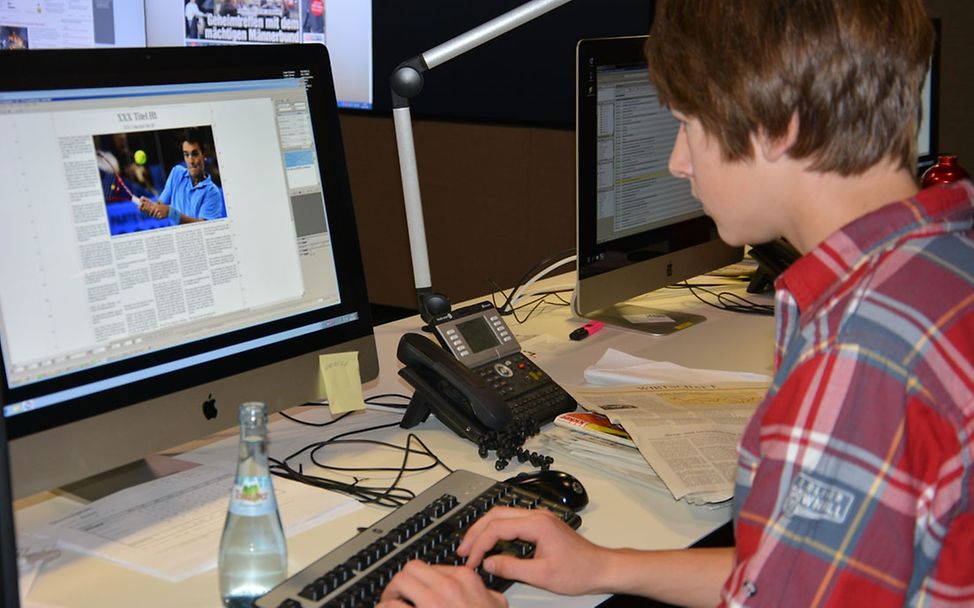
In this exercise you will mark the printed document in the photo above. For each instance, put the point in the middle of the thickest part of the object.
(687, 433)
(171, 527)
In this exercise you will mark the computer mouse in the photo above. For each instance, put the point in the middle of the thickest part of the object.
(556, 486)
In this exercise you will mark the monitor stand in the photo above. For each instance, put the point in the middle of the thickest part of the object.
(654, 321)
(141, 471)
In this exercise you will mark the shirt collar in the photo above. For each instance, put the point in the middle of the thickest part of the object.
(819, 272)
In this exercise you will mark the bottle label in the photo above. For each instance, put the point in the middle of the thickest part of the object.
(252, 496)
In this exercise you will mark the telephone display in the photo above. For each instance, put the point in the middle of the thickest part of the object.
(476, 335)
(479, 382)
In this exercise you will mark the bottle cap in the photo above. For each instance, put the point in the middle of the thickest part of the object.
(253, 413)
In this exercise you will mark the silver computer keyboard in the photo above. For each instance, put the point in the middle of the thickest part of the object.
(429, 527)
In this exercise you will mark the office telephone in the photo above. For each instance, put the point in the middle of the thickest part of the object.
(478, 383)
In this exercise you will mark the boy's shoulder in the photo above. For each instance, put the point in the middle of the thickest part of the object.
(912, 299)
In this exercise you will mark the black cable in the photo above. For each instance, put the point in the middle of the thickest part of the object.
(533, 303)
(729, 301)
(505, 308)
(386, 395)
(374, 400)
(318, 424)
(386, 496)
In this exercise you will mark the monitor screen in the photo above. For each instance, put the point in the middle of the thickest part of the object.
(56, 24)
(345, 26)
(180, 236)
(639, 228)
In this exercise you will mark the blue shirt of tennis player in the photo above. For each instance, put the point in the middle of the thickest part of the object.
(203, 201)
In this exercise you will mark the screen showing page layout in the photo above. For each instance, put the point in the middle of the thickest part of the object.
(99, 278)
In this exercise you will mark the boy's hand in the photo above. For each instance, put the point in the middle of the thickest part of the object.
(563, 561)
(424, 586)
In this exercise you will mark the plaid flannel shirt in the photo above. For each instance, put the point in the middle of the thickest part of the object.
(855, 481)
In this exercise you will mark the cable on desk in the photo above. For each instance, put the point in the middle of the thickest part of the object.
(538, 271)
(374, 400)
(533, 304)
(318, 424)
(727, 300)
(387, 496)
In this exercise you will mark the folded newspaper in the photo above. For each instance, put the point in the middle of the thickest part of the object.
(687, 435)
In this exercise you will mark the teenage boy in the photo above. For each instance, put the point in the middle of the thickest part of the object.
(855, 484)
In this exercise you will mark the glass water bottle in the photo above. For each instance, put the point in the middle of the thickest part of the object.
(253, 553)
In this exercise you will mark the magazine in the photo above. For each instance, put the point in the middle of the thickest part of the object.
(593, 423)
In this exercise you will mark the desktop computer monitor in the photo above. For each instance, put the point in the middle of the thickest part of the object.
(639, 228)
(929, 124)
(29, 24)
(125, 331)
(345, 26)
(9, 596)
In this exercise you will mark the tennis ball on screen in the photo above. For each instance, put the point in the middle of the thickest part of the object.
(140, 157)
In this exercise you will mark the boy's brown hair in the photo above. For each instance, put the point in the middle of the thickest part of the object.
(852, 71)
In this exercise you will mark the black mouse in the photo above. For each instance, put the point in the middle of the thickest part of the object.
(556, 486)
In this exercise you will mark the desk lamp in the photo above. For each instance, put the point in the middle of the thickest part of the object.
(407, 82)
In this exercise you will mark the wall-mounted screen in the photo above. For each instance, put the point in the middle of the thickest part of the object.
(345, 26)
(59, 24)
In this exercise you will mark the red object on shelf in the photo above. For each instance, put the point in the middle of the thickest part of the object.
(945, 171)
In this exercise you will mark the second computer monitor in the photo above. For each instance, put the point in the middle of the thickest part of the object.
(639, 228)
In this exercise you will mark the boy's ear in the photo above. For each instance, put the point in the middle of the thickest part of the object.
(774, 148)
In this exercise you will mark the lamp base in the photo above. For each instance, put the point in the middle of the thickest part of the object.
(432, 305)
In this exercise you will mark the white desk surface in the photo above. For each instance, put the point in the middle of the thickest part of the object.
(617, 515)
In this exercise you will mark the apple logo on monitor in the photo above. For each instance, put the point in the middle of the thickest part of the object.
(209, 407)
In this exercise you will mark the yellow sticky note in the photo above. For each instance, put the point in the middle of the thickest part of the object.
(343, 386)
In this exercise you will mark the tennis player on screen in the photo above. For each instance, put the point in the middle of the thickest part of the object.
(189, 194)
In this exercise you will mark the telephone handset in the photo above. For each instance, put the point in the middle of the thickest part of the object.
(773, 258)
(479, 383)
(461, 399)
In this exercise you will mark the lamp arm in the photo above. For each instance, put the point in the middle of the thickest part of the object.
(406, 82)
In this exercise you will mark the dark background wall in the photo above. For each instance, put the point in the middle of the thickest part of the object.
(498, 198)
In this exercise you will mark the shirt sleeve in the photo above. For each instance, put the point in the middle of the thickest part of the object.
(212, 207)
(167, 191)
(851, 490)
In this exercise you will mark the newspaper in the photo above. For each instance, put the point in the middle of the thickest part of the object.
(688, 434)
(604, 455)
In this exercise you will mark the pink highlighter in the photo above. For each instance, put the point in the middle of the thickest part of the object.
(586, 330)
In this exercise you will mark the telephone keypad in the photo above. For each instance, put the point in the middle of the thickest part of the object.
(526, 388)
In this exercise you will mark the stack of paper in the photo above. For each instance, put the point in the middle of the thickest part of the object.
(624, 463)
(687, 433)
(617, 368)
(685, 424)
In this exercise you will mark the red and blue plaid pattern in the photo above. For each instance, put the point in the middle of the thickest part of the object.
(855, 483)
